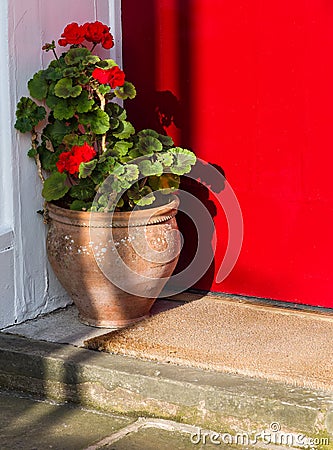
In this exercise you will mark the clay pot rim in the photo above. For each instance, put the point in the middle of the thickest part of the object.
(142, 217)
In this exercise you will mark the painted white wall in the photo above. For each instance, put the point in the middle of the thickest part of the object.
(7, 279)
(28, 286)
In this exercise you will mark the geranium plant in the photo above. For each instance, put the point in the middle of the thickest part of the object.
(80, 135)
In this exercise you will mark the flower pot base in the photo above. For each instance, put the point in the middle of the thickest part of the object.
(112, 324)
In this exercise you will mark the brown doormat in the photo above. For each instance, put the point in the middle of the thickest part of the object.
(221, 334)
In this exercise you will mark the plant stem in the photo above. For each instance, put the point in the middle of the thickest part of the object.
(70, 179)
(102, 100)
(143, 182)
(39, 168)
(55, 55)
(34, 144)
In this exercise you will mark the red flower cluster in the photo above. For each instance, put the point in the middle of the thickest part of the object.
(114, 76)
(71, 160)
(95, 32)
(98, 33)
(73, 34)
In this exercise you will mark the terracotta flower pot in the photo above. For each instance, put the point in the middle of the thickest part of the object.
(115, 270)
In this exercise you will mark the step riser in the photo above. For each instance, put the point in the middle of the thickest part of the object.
(110, 383)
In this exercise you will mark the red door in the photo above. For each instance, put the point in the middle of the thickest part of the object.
(248, 85)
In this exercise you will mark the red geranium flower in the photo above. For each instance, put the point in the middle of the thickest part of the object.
(107, 41)
(71, 160)
(73, 34)
(114, 76)
(85, 152)
(98, 33)
(63, 161)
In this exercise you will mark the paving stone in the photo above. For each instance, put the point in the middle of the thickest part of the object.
(28, 424)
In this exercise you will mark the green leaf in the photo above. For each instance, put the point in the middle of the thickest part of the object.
(51, 88)
(106, 185)
(65, 108)
(125, 91)
(117, 185)
(121, 148)
(115, 110)
(32, 153)
(167, 141)
(71, 72)
(74, 139)
(119, 169)
(107, 63)
(80, 55)
(54, 73)
(64, 111)
(105, 166)
(83, 102)
(56, 132)
(38, 86)
(85, 190)
(168, 182)
(134, 153)
(52, 101)
(91, 59)
(148, 145)
(147, 198)
(184, 159)
(133, 193)
(127, 131)
(104, 89)
(148, 133)
(103, 200)
(75, 55)
(125, 159)
(64, 88)
(165, 158)
(148, 168)
(62, 107)
(28, 114)
(98, 176)
(79, 205)
(116, 125)
(55, 187)
(98, 121)
(86, 168)
(83, 79)
(131, 172)
(123, 114)
(120, 203)
(123, 177)
(49, 159)
(103, 157)
(137, 195)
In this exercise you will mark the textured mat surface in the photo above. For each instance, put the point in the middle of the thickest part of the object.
(233, 336)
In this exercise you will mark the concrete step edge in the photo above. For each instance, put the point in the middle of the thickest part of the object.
(112, 383)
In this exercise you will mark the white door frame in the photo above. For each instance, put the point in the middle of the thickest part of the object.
(28, 286)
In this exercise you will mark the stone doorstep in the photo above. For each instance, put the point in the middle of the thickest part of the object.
(116, 384)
